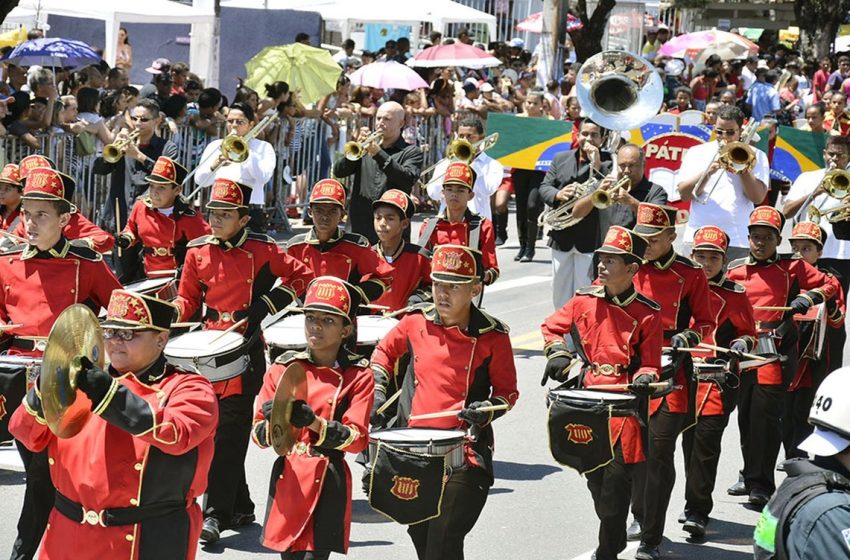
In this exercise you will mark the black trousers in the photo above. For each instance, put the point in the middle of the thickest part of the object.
(529, 204)
(795, 420)
(759, 416)
(258, 222)
(837, 337)
(227, 489)
(654, 479)
(463, 499)
(305, 555)
(611, 487)
(701, 445)
(38, 503)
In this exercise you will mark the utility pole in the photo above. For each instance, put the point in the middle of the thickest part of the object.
(205, 43)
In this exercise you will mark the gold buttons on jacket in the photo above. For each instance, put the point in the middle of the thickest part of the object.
(134, 502)
(130, 537)
(137, 466)
(51, 461)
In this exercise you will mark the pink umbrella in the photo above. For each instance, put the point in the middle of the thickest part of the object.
(701, 44)
(387, 75)
(532, 24)
(456, 54)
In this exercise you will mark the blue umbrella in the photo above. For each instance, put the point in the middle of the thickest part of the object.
(54, 51)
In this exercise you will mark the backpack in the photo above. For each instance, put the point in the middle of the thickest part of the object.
(805, 482)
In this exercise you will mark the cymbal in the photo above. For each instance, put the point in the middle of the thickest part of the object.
(292, 387)
(75, 333)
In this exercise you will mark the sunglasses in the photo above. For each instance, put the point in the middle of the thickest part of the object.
(723, 132)
(141, 119)
(124, 334)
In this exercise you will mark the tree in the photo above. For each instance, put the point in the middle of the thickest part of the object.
(7, 6)
(588, 40)
(819, 21)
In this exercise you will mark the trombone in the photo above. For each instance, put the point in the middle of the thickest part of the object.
(356, 150)
(737, 157)
(113, 153)
(836, 184)
(462, 150)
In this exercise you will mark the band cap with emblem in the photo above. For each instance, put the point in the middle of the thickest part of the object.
(34, 161)
(711, 238)
(809, 231)
(459, 173)
(456, 264)
(11, 174)
(132, 310)
(328, 191)
(624, 242)
(166, 170)
(767, 216)
(333, 295)
(44, 183)
(653, 219)
(229, 195)
(397, 199)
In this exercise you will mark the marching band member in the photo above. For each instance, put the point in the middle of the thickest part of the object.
(836, 120)
(459, 225)
(11, 191)
(255, 171)
(736, 330)
(631, 163)
(681, 289)
(572, 248)
(162, 222)
(329, 251)
(411, 264)
(127, 484)
(48, 274)
(622, 333)
(723, 198)
(463, 361)
(770, 281)
(305, 520)
(232, 273)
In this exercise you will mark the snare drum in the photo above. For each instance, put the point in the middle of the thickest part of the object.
(214, 354)
(766, 347)
(372, 328)
(622, 404)
(711, 371)
(422, 441)
(288, 333)
(17, 374)
(164, 287)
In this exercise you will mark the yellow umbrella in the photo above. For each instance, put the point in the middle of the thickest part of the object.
(14, 37)
(307, 69)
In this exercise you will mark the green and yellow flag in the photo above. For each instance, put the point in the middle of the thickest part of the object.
(527, 142)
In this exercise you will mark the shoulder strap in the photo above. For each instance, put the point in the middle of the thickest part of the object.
(474, 231)
(430, 226)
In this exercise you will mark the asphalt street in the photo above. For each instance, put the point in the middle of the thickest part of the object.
(536, 508)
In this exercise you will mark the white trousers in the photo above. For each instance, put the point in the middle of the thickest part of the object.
(571, 270)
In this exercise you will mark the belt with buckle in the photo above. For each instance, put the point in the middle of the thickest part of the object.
(226, 316)
(117, 516)
(767, 324)
(29, 345)
(159, 251)
(609, 369)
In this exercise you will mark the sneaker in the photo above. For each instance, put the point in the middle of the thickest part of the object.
(500, 241)
(520, 254)
(759, 498)
(737, 489)
(210, 533)
(242, 520)
(682, 517)
(635, 531)
(646, 552)
(695, 525)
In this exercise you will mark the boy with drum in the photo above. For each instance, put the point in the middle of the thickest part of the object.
(463, 372)
(620, 334)
(232, 272)
(306, 520)
(411, 264)
(715, 399)
(459, 225)
(162, 222)
(329, 251)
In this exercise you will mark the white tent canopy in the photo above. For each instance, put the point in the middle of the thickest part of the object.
(339, 15)
(112, 13)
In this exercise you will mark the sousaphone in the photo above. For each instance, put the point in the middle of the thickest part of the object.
(292, 387)
(75, 333)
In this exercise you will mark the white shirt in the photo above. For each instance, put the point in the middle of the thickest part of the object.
(728, 208)
(255, 171)
(489, 176)
(748, 78)
(805, 185)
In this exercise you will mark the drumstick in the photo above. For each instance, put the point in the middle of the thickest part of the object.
(771, 308)
(184, 325)
(232, 328)
(448, 413)
(375, 306)
(170, 272)
(612, 387)
(696, 350)
(389, 402)
(728, 350)
(118, 225)
(12, 236)
(10, 326)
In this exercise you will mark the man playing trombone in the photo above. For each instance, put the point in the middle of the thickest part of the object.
(724, 191)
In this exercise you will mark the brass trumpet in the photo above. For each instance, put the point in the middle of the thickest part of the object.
(602, 198)
(356, 150)
(836, 183)
(113, 153)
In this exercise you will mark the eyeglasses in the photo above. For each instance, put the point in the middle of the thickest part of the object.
(141, 119)
(725, 132)
(237, 122)
(124, 334)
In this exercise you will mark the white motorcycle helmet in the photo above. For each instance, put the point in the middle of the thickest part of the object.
(830, 415)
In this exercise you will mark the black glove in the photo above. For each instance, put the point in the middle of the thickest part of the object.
(123, 241)
(256, 313)
(640, 385)
(380, 399)
(302, 414)
(679, 341)
(800, 305)
(91, 380)
(474, 417)
(267, 409)
(557, 369)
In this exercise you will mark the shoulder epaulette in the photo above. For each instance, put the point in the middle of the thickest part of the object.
(84, 252)
(186, 208)
(260, 237)
(591, 291)
(357, 360)
(297, 240)
(291, 356)
(737, 262)
(355, 238)
(687, 262)
(12, 249)
(203, 240)
(733, 286)
(497, 325)
(414, 248)
(648, 302)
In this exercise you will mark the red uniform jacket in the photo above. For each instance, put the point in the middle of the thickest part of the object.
(473, 225)
(775, 283)
(79, 228)
(347, 256)
(313, 482)
(228, 276)
(680, 287)
(843, 126)
(621, 337)
(10, 222)
(451, 369)
(733, 314)
(149, 442)
(164, 237)
(411, 266)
